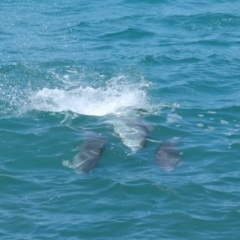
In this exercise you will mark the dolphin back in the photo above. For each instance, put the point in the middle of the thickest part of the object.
(132, 132)
(90, 154)
(167, 156)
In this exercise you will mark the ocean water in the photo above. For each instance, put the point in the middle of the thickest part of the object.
(70, 66)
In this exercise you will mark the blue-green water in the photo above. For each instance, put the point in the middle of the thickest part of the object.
(66, 66)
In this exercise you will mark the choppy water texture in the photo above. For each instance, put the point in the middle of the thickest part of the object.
(67, 67)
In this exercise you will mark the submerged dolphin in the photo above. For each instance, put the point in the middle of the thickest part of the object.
(132, 132)
(91, 152)
(167, 156)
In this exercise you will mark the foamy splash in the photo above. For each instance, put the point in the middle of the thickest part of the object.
(115, 95)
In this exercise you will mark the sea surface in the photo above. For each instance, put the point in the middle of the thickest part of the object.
(68, 66)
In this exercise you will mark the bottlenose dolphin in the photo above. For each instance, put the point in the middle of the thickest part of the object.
(167, 156)
(132, 132)
(90, 154)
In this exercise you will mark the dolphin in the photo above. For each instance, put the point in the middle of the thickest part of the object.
(167, 156)
(90, 154)
(132, 132)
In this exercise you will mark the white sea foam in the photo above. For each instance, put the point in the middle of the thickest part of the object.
(223, 121)
(95, 101)
(211, 128)
(173, 117)
(211, 112)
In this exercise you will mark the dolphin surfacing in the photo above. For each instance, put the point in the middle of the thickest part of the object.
(132, 132)
(167, 156)
(90, 154)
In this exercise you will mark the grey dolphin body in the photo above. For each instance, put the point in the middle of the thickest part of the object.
(132, 132)
(91, 152)
(167, 156)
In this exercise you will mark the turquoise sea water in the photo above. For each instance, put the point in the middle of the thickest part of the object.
(68, 66)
